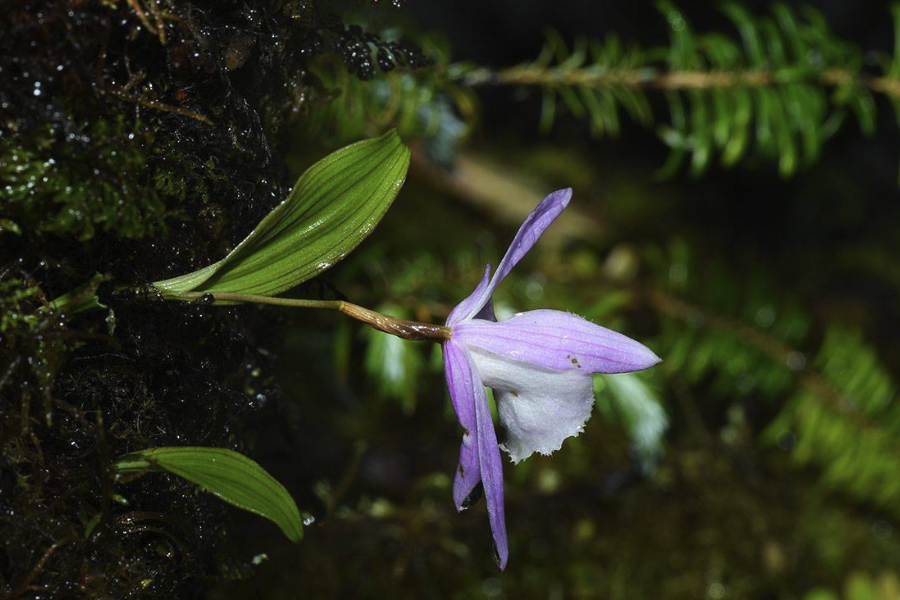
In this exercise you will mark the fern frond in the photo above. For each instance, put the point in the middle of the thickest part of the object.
(839, 412)
(777, 88)
(853, 438)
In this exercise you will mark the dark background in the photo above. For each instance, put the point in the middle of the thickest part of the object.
(772, 300)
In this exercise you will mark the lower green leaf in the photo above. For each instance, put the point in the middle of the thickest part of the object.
(231, 476)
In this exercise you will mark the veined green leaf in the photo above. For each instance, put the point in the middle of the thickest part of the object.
(336, 203)
(231, 476)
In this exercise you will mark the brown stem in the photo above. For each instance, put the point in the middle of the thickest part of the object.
(408, 330)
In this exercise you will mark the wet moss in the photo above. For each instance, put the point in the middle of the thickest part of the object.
(138, 140)
(81, 184)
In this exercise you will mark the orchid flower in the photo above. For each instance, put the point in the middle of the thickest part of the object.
(539, 364)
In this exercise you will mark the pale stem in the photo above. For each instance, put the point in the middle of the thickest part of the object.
(408, 330)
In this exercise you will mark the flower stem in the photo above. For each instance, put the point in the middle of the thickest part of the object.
(408, 330)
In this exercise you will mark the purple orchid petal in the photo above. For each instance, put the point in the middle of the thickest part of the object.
(532, 229)
(491, 474)
(539, 408)
(469, 304)
(557, 340)
(465, 387)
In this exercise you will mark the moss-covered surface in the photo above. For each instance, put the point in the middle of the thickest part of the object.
(138, 140)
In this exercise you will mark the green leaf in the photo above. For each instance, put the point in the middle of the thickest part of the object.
(336, 203)
(231, 476)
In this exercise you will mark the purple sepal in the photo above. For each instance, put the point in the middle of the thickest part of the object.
(491, 473)
(556, 340)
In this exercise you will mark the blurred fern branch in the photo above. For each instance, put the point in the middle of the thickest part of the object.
(779, 89)
(776, 89)
(838, 410)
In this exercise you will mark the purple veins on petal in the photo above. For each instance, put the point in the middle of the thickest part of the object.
(557, 340)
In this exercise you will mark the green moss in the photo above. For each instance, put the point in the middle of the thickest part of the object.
(14, 295)
(81, 184)
(26, 336)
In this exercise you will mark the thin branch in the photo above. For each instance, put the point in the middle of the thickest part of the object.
(649, 78)
(156, 105)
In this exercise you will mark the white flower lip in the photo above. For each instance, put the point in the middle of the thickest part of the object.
(539, 408)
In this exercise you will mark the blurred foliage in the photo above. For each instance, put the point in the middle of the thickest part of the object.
(840, 408)
(776, 89)
(394, 364)
(778, 92)
(632, 401)
(846, 420)
(862, 586)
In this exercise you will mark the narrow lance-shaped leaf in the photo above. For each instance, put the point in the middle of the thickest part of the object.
(336, 203)
(231, 476)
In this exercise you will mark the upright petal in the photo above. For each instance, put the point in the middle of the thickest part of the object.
(535, 224)
(539, 407)
(557, 340)
(466, 390)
